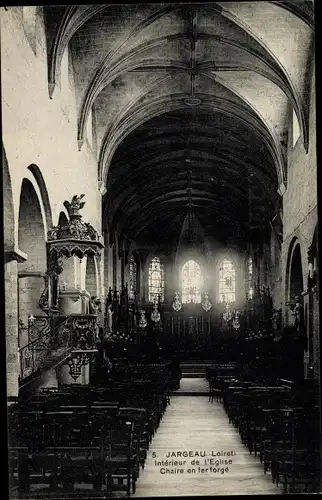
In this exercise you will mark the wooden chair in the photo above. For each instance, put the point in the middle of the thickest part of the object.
(122, 458)
(298, 459)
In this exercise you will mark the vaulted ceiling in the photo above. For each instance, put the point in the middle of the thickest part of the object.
(191, 105)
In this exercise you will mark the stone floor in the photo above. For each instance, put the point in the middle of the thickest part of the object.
(193, 386)
(196, 425)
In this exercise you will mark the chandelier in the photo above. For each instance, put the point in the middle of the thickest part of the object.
(236, 323)
(231, 316)
(206, 304)
(176, 304)
(155, 315)
(227, 315)
(143, 321)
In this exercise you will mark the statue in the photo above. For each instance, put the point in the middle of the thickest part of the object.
(75, 228)
(206, 304)
(109, 320)
(48, 298)
(176, 304)
(276, 323)
(143, 321)
(298, 316)
(94, 308)
(93, 305)
(311, 271)
(75, 205)
(44, 298)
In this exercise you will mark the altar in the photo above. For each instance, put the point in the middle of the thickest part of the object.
(189, 332)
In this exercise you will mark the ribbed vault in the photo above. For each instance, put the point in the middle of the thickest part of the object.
(189, 156)
(178, 91)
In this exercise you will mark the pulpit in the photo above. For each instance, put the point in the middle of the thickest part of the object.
(69, 246)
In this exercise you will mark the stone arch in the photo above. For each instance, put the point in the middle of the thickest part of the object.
(32, 241)
(294, 271)
(42, 195)
(315, 246)
(31, 228)
(313, 313)
(172, 102)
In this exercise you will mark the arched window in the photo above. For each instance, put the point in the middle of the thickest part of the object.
(250, 289)
(156, 279)
(133, 269)
(227, 282)
(191, 282)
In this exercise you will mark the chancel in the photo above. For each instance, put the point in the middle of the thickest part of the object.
(161, 249)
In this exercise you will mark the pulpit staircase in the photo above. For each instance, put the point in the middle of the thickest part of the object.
(53, 341)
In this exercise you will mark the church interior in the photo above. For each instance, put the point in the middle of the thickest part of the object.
(161, 254)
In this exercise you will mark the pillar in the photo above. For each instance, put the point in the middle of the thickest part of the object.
(11, 321)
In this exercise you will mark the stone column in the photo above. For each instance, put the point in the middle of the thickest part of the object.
(11, 321)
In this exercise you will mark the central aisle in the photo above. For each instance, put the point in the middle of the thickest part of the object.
(193, 386)
(191, 423)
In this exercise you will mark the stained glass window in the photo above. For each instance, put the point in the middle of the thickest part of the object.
(156, 279)
(227, 282)
(191, 282)
(250, 289)
(133, 269)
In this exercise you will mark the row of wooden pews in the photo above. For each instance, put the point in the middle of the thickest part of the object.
(279, 423)
(86, 441)
(217, 375)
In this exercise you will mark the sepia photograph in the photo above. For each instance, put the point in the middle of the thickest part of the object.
(160, 242)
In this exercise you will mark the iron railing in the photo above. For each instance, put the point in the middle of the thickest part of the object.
(41, 346)
(75, 333)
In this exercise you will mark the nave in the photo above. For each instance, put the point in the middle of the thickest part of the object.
(160, 244)
(193, 423)
(114, 440)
